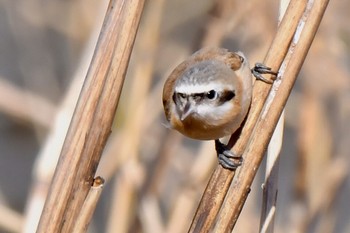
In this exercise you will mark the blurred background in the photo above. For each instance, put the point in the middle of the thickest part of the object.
(154, 176)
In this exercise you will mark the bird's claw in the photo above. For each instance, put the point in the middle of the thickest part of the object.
(225, 157)
(259, 69)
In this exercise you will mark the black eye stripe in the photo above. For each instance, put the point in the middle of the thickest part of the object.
(227, 96)
(178, 97)
(223, 97)
(198, 95)
(174, 97)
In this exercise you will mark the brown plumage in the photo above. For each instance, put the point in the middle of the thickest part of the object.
(208, 95)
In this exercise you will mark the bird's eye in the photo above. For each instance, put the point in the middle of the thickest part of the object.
(182, 95)
(211, 94)
(178, 96)
(241, 58)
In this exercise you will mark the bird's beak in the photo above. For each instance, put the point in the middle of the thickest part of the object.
(188, 110)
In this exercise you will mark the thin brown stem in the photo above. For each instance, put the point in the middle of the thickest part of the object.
(270, 186)
(266, 124)
(92, 119)
(89, 206)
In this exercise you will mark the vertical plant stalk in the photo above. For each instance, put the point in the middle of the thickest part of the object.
(270, 186)
(221, 179)
(92, 119)
(132, 171)
(266, 124)
(88, 208)
(46, 160)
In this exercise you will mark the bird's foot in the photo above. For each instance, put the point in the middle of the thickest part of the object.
(259, 69)
(227, 159)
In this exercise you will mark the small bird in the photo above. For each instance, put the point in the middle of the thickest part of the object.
(207, 97)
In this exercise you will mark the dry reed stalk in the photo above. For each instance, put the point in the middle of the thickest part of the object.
(89, 206)
(267, 224)
(92, 120)
(136, 112)
(47, 157)
(270, 185)
(221, 179)
(253, 155)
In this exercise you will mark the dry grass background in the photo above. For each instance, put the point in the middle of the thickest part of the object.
(155, 177)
